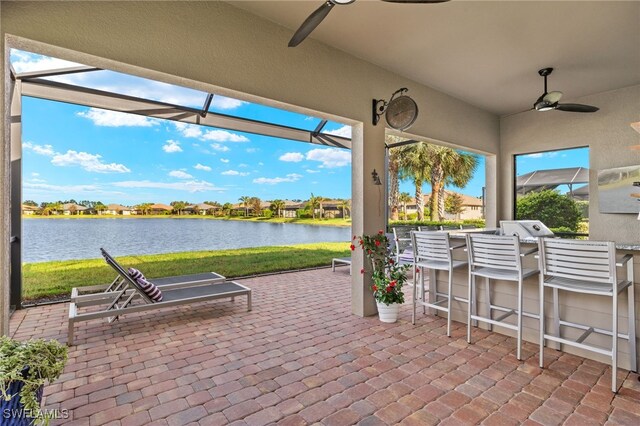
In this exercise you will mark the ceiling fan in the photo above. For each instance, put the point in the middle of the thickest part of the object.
(320, 13)
(549, 100)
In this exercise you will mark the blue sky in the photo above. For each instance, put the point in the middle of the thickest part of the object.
(71, 151)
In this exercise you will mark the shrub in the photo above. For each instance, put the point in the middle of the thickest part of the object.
(267, 213)
(550, 207)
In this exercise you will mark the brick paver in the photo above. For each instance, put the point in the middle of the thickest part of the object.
(301, 357)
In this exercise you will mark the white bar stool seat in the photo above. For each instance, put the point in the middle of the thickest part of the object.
(587, 267)
(495, 257)
(433, 250)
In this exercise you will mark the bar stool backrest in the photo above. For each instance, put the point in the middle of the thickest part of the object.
(429, 228)
(593, 261)
(494, 251)
(431, 246)
(402, 237)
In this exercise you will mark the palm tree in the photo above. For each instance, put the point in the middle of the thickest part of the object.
(99, 207)
(394, 175)
(244, 201)
(415, 164)
(446, 165)
(404, 198)
(256, 205)
(345, 205)
(320, 200)
(278, 206)
(178, 206)
(313, 202)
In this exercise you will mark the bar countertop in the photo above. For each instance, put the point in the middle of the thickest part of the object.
(461, 233)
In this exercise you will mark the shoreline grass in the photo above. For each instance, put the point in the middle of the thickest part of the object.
(51, 279)
(297, 221)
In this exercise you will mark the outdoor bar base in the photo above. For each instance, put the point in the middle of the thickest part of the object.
(577, 308)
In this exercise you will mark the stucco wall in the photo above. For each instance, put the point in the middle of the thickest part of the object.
(608, 135)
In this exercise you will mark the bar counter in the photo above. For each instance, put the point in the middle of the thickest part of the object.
(580, 308)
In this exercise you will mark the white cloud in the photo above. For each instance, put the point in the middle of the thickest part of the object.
(293, 157)
(202, 167)
(102, 117)
(308, 118)
(171, 146)
(291, 177)
(344, 131)
(330, 157)
(37, 180)
(180, 174)
(234, 173)
(222, 102)
(189, 186)
(260, 163)
(89, 162)
(188, 130)
(26, 62)
(243, 165)
(542, 155)
(312, 171)
(35, 174)
(39, 149)
(223, 136)
(251, 150)
(219, 147)
(67, 189)
(224, 160)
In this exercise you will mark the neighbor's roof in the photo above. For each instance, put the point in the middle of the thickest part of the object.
(28, 207)
(78, 207)
(201, 206)
(550, 179)
(117, 207)
(467, 200)
(160, 207)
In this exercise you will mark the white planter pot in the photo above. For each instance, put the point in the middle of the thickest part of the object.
(388, 313)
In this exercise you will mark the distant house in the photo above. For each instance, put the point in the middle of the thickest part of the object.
(73, 209)
(29, 210)
(331, 209)
(160, 209)
(202, 208)
(290, 209)
(118, 210)
(472, 207)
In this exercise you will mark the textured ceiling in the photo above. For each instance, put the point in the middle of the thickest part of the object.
(485, 53)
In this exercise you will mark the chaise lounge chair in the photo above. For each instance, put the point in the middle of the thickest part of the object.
(124, 290)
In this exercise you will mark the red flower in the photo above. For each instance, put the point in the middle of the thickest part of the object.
(392, 284)
(369, 251)
(374, 288)
(390, 261)
(354, 237)
(381, 232)
(417, 269)
(377, 243)
(352, 247)
(389, 289)
(360, 242)
(362, 271)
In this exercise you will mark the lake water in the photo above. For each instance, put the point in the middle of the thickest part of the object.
(63, 239)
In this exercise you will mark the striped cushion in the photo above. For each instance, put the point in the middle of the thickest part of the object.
(149, 288)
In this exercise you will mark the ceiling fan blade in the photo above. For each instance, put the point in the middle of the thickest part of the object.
(552, 97)
(311, 23)
(577, 108)
(416, 1)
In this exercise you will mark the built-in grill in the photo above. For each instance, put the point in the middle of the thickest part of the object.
(525, 228)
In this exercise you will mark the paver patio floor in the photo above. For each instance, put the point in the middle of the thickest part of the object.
(301, 357)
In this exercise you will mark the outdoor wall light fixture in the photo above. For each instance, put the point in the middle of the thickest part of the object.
(400, 112)
(375, 177)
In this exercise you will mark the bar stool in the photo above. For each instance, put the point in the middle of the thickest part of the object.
(497, 257)
(433, 250)
(587, 267)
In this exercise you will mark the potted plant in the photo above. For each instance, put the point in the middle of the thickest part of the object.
(388, 277)
(24, 369)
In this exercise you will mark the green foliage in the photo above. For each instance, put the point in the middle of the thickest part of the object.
(45, 361)
(388, 277)
(550, 207)
(453, 204)
(267, 213)
(478, 223)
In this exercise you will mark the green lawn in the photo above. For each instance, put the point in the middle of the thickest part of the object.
(50, 279)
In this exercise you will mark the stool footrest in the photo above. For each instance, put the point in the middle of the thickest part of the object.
(578, 345)
(494, 322)
(433, 305)
(593, 329)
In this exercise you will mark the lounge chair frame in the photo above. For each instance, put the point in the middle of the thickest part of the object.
(123, 290)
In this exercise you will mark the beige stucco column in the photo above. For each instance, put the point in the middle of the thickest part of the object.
(4, 202)
(367, 217)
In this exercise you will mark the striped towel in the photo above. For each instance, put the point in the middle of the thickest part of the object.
(149, 288)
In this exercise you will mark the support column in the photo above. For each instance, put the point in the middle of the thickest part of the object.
(368, 207)
(15, 292)
(5, 93)
(492, 200)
